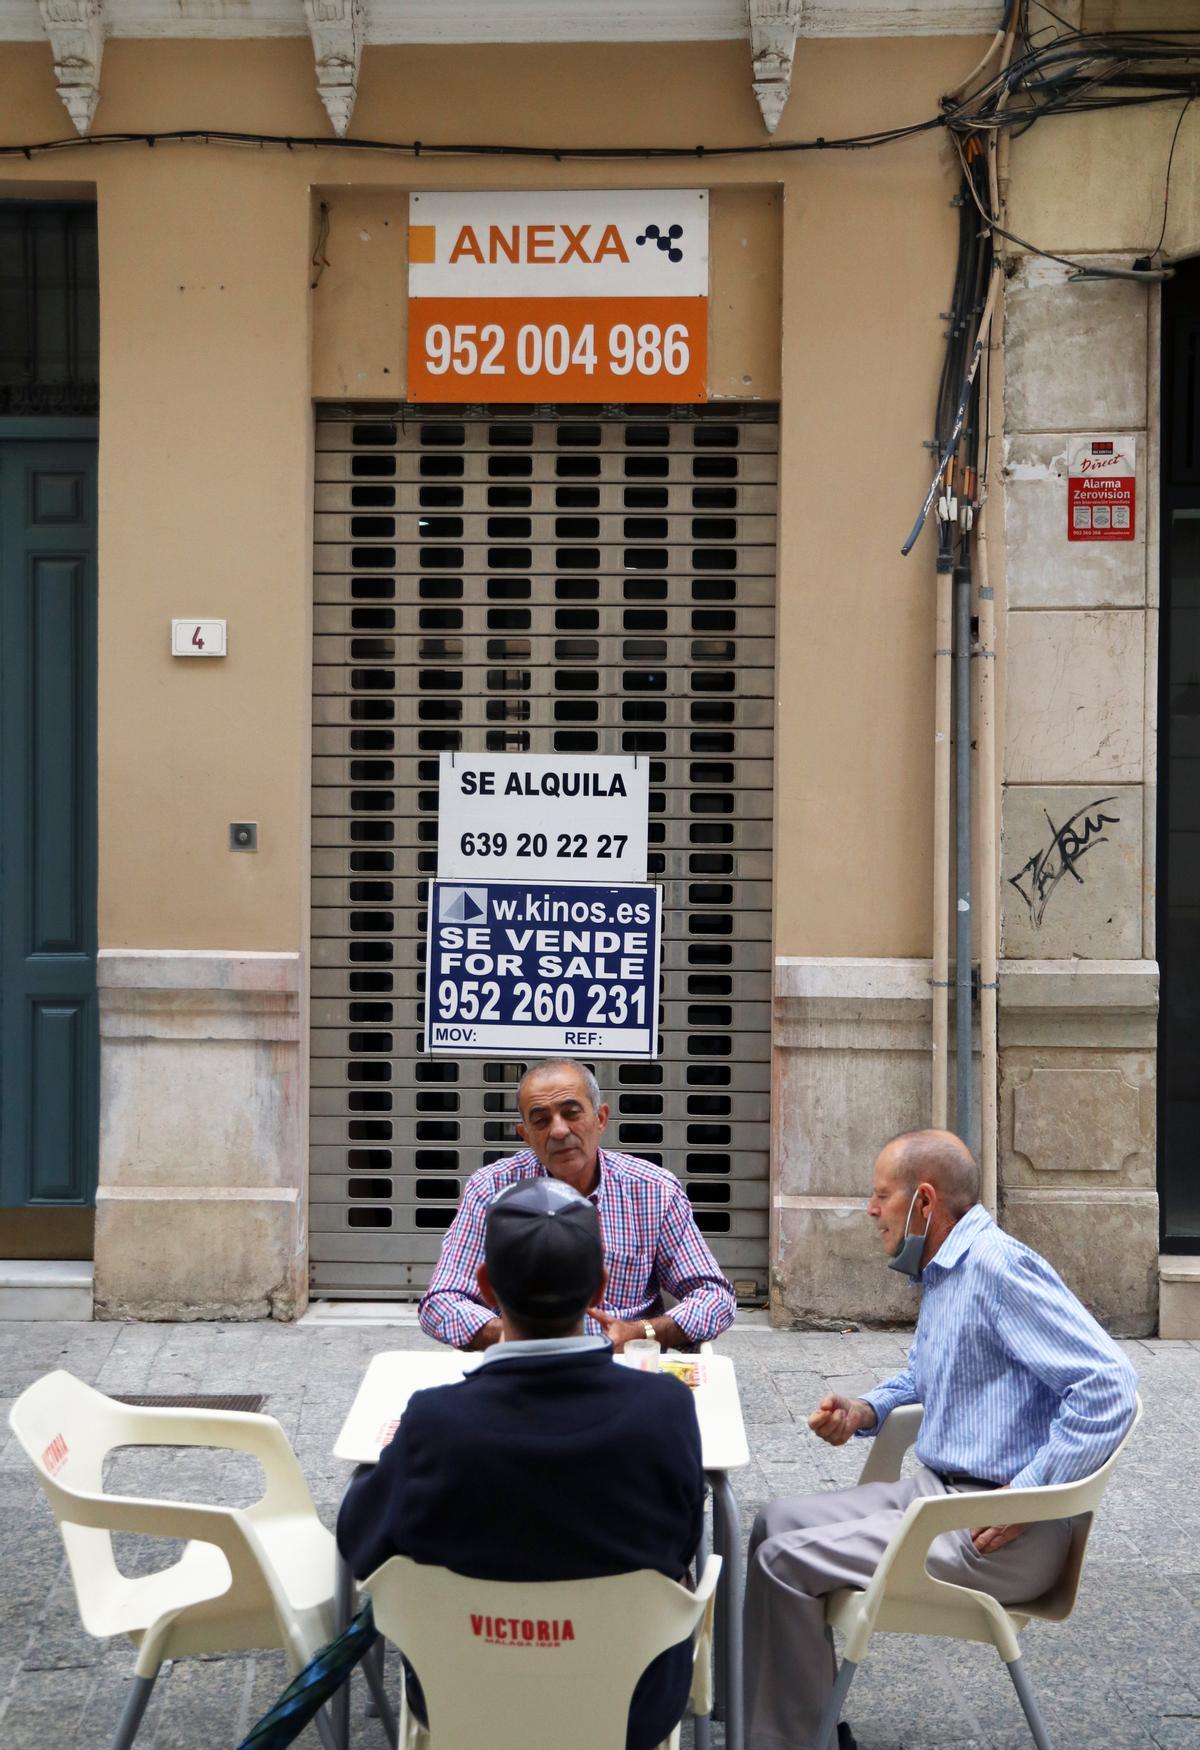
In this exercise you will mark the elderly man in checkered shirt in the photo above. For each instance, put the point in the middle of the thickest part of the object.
(651, 1241)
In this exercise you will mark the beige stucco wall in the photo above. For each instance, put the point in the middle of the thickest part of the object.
(206, 383)
(828, 275)
(829, 272)
(204, 493)
(1095, 183)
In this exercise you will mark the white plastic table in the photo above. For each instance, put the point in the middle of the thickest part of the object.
(392, 1378)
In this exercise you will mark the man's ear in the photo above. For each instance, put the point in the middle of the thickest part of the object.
(485, 1286)
(598, 1297)
(520, 1130)
(602, 1117)
(928, 1193)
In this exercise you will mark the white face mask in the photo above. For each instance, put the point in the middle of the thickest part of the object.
(912, 1247)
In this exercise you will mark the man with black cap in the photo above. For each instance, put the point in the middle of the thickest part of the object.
(548, 1461)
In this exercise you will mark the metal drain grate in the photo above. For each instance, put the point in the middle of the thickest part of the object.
(252, 1402)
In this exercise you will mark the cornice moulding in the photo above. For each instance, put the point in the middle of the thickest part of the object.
(75, 29)
(336, 28)
(521, 21)
(774, 25)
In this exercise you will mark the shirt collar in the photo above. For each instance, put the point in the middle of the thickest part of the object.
(959, 1240)
(596, 1196)
(520, 1348)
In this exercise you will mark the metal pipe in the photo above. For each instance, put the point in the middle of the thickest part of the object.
(989, 875)
(962, 846)
(989, 843)
(940, 978)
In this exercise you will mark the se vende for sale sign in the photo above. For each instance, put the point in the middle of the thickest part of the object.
(572, 296)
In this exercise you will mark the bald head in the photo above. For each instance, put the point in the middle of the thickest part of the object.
(937, 1158)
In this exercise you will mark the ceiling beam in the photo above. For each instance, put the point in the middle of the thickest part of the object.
(774, 25)
(75, 29)
(337, 30)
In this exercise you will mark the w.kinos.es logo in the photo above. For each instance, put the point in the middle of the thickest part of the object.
(577, 296)
(462, 905)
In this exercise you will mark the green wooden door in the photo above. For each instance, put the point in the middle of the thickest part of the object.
(49, 1047)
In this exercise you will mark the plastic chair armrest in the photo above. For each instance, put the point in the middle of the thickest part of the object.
(706, 1584)
(903, 1562)
(174, 1519)
(886, 1450)
(153, 1518)
(700, 1697)
(232, 1431)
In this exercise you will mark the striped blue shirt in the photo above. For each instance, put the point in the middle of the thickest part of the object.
(1019, 1383)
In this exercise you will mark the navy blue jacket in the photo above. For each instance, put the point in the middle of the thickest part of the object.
(543, 1467)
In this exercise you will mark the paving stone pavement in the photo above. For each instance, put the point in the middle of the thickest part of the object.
(1124, 1671)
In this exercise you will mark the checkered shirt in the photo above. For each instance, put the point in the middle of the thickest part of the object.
(651, 1243)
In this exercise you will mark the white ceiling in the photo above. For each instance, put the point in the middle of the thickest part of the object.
(520, 21)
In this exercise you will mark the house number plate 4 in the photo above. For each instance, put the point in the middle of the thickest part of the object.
(198, 637)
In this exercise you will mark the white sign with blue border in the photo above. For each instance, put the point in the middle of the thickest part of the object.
(516, 969)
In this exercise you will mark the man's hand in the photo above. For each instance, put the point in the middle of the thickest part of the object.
(622, 1331)
(618, 1331)
(837, 1419)
(989, 1538)
(486, 1335)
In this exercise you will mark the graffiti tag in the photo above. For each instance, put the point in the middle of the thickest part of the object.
(1069, 843)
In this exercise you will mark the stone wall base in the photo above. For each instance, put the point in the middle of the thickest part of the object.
(1179, 1298)
(828, 1271)
(199, 1253)
(851, 1068)
(200, 1212)
(1078, 1166)
(1104, 1245)
(1076, 1143)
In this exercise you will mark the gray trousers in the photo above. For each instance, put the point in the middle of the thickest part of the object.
(805, 1546)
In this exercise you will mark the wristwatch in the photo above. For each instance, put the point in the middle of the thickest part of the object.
(651, 1333)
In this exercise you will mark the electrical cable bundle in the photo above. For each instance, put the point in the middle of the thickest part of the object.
(956, 424)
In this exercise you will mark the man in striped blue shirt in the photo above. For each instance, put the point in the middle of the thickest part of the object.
(1020, 1386)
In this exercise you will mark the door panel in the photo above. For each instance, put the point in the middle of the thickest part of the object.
(48, 1019)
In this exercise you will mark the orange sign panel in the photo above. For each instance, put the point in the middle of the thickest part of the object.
(570, 297)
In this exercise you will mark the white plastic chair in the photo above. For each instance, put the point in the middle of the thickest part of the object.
(903, 1598)
(258, 1576)
(510, 1690)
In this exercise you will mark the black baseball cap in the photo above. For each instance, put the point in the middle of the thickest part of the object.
(543, 1249)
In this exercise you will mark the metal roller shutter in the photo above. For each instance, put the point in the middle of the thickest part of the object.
(537, 580)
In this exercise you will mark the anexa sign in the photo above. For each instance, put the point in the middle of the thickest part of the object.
(566, 295)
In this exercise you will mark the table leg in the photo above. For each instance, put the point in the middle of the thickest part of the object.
(702, 1723)
(728, 1540)
(343, 1612)
(720, 1613)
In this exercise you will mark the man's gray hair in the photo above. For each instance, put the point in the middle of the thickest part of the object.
(589, 1080)
(941, 1158)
